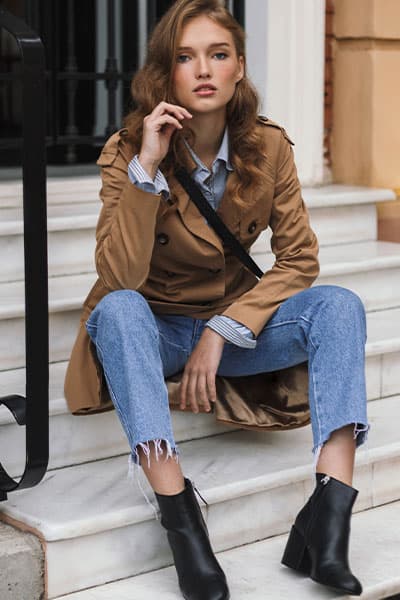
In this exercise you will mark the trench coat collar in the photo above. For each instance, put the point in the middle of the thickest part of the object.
(191, 216)
(194, 220)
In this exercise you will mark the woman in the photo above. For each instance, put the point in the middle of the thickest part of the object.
(171, 299)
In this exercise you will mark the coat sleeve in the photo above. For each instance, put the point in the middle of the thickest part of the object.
(293, 243)
(126, 225)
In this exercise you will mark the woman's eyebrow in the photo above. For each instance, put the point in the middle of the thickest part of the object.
(215, 45)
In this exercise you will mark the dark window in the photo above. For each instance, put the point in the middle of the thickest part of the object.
(92, 50)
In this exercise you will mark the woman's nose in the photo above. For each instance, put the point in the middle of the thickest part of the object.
(203, 68)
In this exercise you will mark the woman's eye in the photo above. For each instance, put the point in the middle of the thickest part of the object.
(220, 55)
(182, 58)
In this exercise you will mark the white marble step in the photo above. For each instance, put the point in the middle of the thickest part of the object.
(98, 528)
(66, 295)
(85, 188)
(255, 572)
(339, 215)
(75, 440)
(71, 240)
(60, 190)
(371, 269)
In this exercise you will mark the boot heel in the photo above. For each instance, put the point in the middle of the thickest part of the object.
(296, 555)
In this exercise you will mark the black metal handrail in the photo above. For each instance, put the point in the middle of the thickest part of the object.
(32, 410)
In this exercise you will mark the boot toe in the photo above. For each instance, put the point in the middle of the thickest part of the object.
(217, 589)
(352, 586)
(343, 582)
(213, 588)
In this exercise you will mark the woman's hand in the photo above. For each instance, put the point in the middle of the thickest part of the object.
(198, 380)
(158, 128)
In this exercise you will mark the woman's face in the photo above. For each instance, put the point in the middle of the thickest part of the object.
(207, 67)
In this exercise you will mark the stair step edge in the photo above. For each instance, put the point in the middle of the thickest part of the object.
(235, 485)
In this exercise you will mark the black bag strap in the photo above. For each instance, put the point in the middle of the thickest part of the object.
(213, 219)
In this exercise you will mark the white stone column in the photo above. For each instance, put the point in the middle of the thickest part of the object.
(286, 50)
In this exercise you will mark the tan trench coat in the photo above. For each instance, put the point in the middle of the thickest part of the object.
(167, 252)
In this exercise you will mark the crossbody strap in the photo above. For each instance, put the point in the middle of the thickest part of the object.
(213, 219)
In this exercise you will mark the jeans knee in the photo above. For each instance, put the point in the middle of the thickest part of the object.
(118, 307)
(348, 301)
(345, 305)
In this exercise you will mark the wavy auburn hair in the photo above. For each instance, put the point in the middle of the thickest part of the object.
(153, 83)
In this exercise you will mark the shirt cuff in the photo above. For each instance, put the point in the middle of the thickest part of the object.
(232, 331)
(142, 179)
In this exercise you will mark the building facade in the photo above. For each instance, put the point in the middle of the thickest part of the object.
(325, 69)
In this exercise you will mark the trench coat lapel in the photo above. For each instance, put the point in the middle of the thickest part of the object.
(194, 220)
(191, 216)
(229, 209)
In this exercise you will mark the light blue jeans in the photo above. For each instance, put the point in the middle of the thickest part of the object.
(324, 325)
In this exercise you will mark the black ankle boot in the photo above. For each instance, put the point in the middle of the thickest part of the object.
(199, 573)
(319, 539)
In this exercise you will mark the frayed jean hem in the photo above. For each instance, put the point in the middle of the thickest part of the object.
(171, 450)
(135, 469)
(360, 434)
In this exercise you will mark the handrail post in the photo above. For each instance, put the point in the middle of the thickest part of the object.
(34, 409)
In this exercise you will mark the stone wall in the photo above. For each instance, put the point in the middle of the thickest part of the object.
(366, 100)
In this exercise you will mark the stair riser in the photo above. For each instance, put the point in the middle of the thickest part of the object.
(390, 374)
(69, 252)
(375, 287)
(63, 328)
(252, 572)
(376, 290)
(75, 440)
(127, 551)
(72, 251)
(108, 556)
(338, 225)
(59, 191)
(344, 224)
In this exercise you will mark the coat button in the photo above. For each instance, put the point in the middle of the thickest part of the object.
(162, 238)
(252, 227)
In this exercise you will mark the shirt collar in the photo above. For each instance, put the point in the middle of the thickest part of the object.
(222, 155)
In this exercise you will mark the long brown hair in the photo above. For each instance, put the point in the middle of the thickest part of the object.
(153, 84)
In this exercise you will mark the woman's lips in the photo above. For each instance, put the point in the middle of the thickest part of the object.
(205, 91)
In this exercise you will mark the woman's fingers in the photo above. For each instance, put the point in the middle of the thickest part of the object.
(188, 391)
(158, 128)
(156, 123)
(191, 392)
(182, 390)
(166, 107)
(212, 390)
(164, 120)
(202, 391)
(198, 378)
(197, 389)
